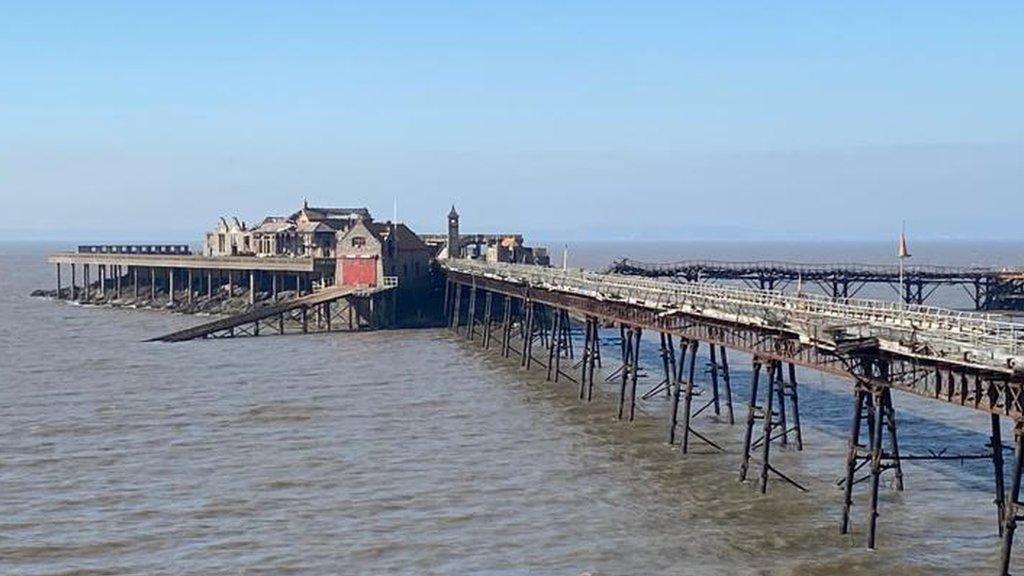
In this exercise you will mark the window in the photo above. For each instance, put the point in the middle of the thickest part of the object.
(358, 241)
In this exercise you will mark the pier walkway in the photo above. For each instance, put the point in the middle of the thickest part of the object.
(330, 309)
(970, 360)
(989, 288)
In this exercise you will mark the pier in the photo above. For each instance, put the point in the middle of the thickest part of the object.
(495, 290)
(139, 273)
(988, 288)
(959, 358)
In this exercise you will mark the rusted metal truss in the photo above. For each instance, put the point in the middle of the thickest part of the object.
(988, 288)
(542, 313)
(988, 391)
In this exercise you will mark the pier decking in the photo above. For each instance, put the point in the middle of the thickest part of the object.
(324, 311)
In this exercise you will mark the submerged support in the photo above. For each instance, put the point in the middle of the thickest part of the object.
(626, 347)
(752, 417)
(860, 399)
(1012, 514)
(873, 406)
(590, 344)
(456, 308)
(673, 381)
(634, 371)
(687, 384)
(726, 382)
(471, 313)
(554, 350)
(996, 442)
(488, 301)
(506, 326)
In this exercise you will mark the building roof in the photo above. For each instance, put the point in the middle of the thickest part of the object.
(315, 213)
(312, 227)
(273, 225)
(404, 236)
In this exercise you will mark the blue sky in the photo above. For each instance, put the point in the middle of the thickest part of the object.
(567, 120)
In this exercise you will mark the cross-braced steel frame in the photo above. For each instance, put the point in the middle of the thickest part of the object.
(772, 418)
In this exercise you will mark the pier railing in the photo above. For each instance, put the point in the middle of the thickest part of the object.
(963, 336)
(815, 269)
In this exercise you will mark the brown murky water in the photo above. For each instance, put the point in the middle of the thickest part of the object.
(413, 452)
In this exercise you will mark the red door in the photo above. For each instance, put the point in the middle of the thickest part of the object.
(359, 271)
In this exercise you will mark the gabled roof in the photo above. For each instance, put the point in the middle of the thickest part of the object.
(314, 213)
(312, 227)
(273, 225)
(404, 236)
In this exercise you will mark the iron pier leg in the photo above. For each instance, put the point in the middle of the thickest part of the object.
(728, 384)
(713, 369)
(563, 320)
(553, 349)
(586, 358)
(1012, 514)
(627, 351)
(859, 401)
(135, 282)
(675, 385)
(456, 305)
(595, 355)
(447, 295)
(664, 363)
(688, 394)
(471, 313)
(488, 297)
(528, 335)
(634, 372)
(567, 327)
(773, 368)
(751, 417)
(74, 293)
(506, 325)
(778, 384)
(58, 280)
(795, 400)
(876, 465)
(996, 441)
(889, 413)
(305, 320)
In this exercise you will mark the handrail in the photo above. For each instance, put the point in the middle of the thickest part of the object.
(819, 268)
(949, 325)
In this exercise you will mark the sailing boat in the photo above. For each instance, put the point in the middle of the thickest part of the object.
(902, 253)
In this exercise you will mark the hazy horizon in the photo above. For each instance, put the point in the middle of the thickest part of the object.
(662, 121)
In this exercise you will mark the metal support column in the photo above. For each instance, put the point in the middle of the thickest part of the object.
(488, 301)
(1012, 515)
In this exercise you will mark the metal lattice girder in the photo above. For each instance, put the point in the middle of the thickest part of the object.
(932, 352)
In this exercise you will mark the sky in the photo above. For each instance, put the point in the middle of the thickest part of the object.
(143, 121)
